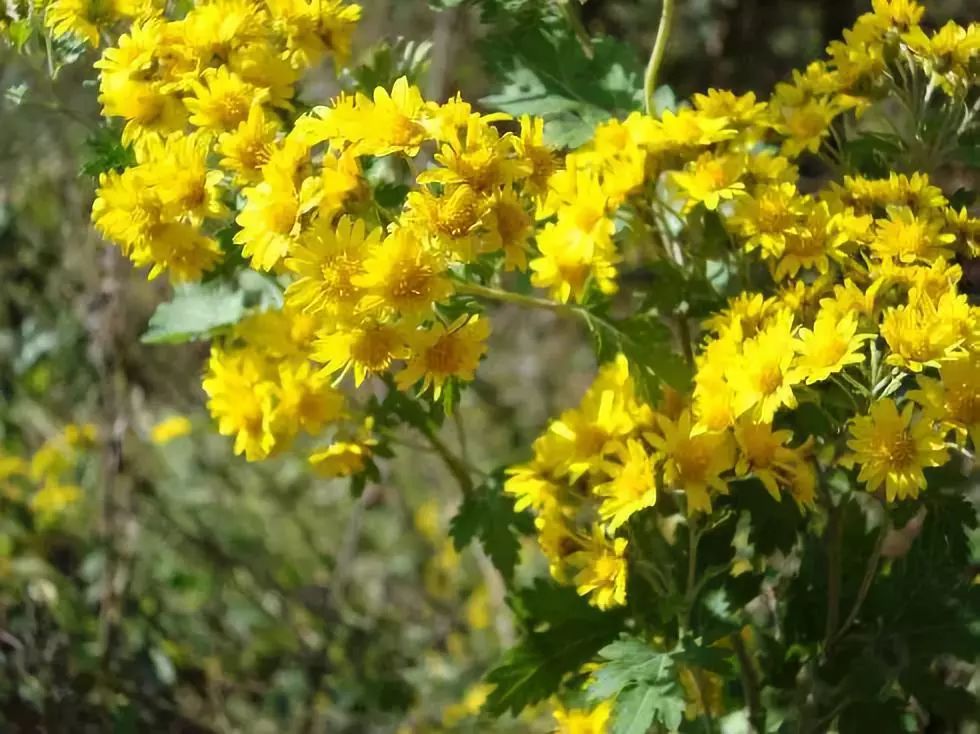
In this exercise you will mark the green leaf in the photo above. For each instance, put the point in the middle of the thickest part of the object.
(488, 514)
(646, 344)
(546, 73)
(550, 649)
(105, 152)
(635, 710)
(645, 685)
(628, 661)
(196, 311)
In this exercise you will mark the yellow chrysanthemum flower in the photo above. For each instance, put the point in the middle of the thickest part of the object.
(603, 570)
(893, 448)
(368, 349)
(632, 486)
(693, 462)
(954, 399)
(402, 276)
(829, 347)
(441, 353)
(327, 260)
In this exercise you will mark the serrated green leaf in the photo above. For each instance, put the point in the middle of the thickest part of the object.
(635, 710)
(545, 73)
(627, 662)
(533, 669)
(488, 514)
(196, 311)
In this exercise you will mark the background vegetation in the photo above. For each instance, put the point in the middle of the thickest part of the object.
(181, 589)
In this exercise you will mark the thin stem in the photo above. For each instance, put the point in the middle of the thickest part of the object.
(750, 684)
(580, 31)
(456, 467)
(693, 536)
(685, 336)
(869, 573)
(495, 294)
(657, 54)
(833, 537)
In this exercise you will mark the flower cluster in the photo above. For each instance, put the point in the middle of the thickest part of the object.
(48, 481)
(850, 293)
(202, 98)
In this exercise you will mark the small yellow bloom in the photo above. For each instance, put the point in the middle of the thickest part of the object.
(893, 448)
(829, 347)
(632, 486)
(441, 353)
(169, 429)
(603, 570)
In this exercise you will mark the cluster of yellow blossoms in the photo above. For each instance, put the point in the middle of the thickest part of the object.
(858, 297)
(202, 98)
(48, 481)
(855, 285)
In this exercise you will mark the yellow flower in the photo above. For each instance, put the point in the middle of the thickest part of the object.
(529, 486)
(453, 219)
(170, 428)
(711, 179)
(925, 331)
(511, 227)
(764, 377)
(954, 399)
(909, 238)
(54, 498)
(222, 100)
(687, 128)
(269, 219)
(303, 400)
(811, 243)
(240, 398)
(541, 161)
(326, 261)
(693, 462)
(179, 174)
(766, 216)
(247, 148)
(571, 259)
(763, 453)
(893, 448)
(803, 121)
(482, 159)
(83, 18)
(829, 347)
(391, 123)
(313, 28)
(441, 353)
(402, 276)
(603, 570)
(632, 486)
(583, 721)
(339, 459)
(368, 348)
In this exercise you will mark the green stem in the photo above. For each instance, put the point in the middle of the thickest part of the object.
(833, 540)
(869, 574)
(750, 684)
(657, 55)
(456, 467)
(580, 31)
(518, 299)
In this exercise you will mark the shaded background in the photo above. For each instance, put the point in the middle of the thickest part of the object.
(185, 590)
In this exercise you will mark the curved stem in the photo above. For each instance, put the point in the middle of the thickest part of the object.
(657, 55)
(495, 294)
(869, 574)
